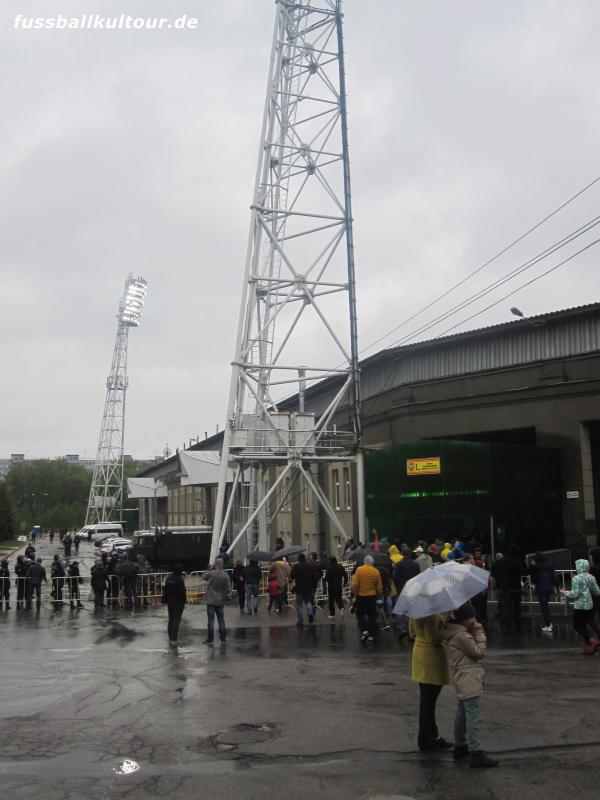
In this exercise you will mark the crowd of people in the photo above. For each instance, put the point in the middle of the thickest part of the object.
(448, 648)
(114, 580)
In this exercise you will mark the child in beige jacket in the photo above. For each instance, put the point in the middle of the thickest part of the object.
(466, 646)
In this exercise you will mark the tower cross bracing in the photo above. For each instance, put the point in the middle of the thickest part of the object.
(297, 320)
(105, 503)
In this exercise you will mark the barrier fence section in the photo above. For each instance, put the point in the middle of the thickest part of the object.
(147, 589)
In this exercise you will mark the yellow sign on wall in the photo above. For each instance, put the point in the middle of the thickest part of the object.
(424, 466)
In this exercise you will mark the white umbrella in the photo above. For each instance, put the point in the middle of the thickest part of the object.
(441, 589)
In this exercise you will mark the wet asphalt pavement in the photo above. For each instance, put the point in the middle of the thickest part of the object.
(97, 705)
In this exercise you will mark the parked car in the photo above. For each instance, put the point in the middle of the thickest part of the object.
(116, 545)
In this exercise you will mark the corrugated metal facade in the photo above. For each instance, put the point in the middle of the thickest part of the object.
(543, 338)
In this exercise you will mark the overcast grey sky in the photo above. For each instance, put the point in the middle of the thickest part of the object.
(136, 150)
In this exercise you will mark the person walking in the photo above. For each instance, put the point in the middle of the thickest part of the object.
(73, 580)
(30, 551)
(273, 589)
(302, 577)
(595, 573)
(36, 574)
(583, 588)
(4, 584)
(76, 543)
(99, 582)
(252, 579)
(282, 569)
(174, 596)
(367, 587)
(545, 580)
(507, 572)
(430, 671)
(218, 592)
(238, 584)
(128, 571)
(57, 577)
(51, 535)
(335, 579)
(466, 645)
(111, 564)
(20, 572)
(403, 572)
(67, 544)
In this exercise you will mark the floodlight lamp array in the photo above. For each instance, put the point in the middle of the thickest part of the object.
(132, 302)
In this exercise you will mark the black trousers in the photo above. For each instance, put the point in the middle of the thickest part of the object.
(99, 598)
(543, 598)
(241, 597)
(175, 614)
(366, 612)
(334, 596)
(428, 729)
(511, 610)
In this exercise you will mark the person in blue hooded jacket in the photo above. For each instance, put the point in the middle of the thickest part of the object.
(545, 580)
(583, 588)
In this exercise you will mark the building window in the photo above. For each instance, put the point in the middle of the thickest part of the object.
(336, 488)
(347, 488)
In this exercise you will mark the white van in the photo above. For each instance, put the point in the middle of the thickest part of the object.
(101, 529)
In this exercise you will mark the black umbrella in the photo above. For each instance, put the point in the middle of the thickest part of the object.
(258, 555)
(288, 551)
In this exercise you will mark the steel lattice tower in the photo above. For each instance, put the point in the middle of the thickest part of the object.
(105, 502)
(298, 283)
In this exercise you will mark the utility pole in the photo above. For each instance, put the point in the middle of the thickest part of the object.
(298, 285)
(105, 502)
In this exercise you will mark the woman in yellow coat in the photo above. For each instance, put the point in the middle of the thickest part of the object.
(430, 671)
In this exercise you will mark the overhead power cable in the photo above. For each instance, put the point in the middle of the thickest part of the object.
(519, 288)
(500, 281)
(480, 268)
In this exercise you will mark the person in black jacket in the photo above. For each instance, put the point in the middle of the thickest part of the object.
(57, 575)
(73, 580)
(507, 573)
(20, 572)
(303, 578)
(335, 579)
(99, 581)
(545, 580)
(238, 584)
(174, 597)
(4, 584)
(35, 575)
(252, 579)
(403, 572)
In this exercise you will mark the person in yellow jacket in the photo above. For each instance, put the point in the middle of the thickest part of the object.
(445, 551)
(394, 554)
(430, 671)
(367, 588)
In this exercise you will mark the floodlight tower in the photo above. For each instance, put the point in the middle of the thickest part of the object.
(106, 493)
(298, 284)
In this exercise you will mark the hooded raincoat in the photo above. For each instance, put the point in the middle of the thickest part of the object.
(583, 586)
(466, 650)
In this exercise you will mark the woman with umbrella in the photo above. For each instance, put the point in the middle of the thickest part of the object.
(430, 671)
(424, 599)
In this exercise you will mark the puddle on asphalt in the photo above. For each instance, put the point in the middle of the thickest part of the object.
(126, 767)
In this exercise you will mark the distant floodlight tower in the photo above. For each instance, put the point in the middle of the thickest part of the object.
(106, 493)
(298, 288)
